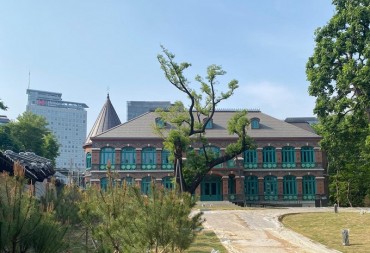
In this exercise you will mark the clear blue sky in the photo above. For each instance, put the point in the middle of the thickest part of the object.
(80, 48)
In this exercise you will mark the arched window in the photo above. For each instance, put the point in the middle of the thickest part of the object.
(288, 157)
(88, 161)
(250, 159)
(167, 182)
(166, 163)
(160, 122)
(107, 154)
(255, 123)
(290, 188)
(251, 188)
(307, 157)
(308, 187)
(145, 185)
(128, 158)
(148, 158)
(104, 183)
(129, 181)
(270, 188)
(269, 157)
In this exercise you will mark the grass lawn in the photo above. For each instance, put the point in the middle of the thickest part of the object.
(326, 228)
(205, 242)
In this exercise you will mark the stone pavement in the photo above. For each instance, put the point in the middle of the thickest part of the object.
(259, 231)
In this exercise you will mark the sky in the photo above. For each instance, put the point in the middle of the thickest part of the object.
(87, 48)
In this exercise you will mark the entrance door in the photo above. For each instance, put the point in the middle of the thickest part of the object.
(211, 189)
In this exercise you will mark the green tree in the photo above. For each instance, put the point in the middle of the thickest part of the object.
(190, 123)
(23, 226)
(3, 106)
(122, 219)
(29, 133)
(339, 76)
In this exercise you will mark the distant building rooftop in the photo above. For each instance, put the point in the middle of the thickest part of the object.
(4, 119)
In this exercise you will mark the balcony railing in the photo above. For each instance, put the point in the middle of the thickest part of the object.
(126, 167)
(282, 165)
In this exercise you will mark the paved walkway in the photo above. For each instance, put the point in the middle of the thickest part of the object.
(259, 231)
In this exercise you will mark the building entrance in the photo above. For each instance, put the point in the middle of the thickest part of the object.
(211, 189)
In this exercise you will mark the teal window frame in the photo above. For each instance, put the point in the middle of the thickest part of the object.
(145, 185)
(104, 183)
(160, 122)
(250, 159)
(167, 182)
(251, 188)
(270, 188)
(308, 157)
(128, 158)
(129, 181)
(288, 157)
(88, 160)
(166, 162)
(269, 157)
(209, 124)
(255, 123)
(214, 149)
(308, 187)
(107, 154)
(148, 158)
(290, 188)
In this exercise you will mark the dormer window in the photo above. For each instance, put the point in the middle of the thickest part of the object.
(209, 124)
(255, 123)
(159, 122)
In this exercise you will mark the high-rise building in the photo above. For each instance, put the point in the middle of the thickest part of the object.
(137, 108)
(67, 121)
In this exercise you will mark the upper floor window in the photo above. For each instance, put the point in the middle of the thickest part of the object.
(269, 157)
(159, 122)
(209, 123)
(148, 158)
(107, 154)
(307, 156)
(88, 160)
(250, 158)
(212, 152)
(166, 163)
(288, 156)
(255, 123)
(128, 158)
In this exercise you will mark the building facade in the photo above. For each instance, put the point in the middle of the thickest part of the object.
(137, 108)
(67, 121)
(286, 167)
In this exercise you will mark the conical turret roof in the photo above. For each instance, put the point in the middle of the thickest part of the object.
(107, 119)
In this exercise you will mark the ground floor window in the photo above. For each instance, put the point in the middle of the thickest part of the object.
(290, 188)
(270, 188)
(309, 187)
(251, 188)
(145, 185)
(167, 182)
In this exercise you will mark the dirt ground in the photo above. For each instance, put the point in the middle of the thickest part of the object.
(259, 231)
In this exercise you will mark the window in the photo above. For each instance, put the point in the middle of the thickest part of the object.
(166, 163)
(251, 188)
(145, 185)
(309, 187)
(290, 188)
(148, 158)
(104, 183)
(307, 157)
(212, 152)
(270, 188)
(288, 157)
(255, 123)
(167, 182)
(107, 154)
(250, 158)
(159, 122)
(209, 124)
(269, 157)
(128, 158)
(129, 181)
(88, 161)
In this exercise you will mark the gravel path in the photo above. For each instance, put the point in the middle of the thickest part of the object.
(259, 231)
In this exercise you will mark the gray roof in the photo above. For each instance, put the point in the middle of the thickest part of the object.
(142, 127)
(36, 167)
(107, 119)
